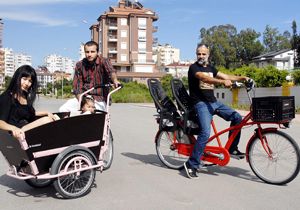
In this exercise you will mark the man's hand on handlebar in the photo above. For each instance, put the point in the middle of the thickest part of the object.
(116, 84)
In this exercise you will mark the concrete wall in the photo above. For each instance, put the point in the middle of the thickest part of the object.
(240, 97)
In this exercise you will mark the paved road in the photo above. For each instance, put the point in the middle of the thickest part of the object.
(138, 180)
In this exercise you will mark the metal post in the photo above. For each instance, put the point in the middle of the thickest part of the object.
(62, 85)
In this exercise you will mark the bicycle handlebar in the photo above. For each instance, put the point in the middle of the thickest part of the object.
(101, 86)
(107, 86)
(249, 84)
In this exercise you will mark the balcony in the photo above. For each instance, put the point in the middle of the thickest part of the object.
(112, 38)
(112, 50)
(142, 26)
(142, 50)
(142, 39)
(113, 27)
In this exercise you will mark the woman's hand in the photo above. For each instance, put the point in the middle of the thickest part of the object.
(48, 114)
(18, 133)
(52, 116)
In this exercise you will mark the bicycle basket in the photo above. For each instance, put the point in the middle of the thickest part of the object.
(273, 109)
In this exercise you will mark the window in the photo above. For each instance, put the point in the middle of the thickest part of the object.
(123, 57)
(142, 46)
(123, 21)
(142, 58)
(142, 22)
(123, 33)
(123, 45)
(142, 35)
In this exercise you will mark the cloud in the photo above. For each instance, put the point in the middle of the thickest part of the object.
(40, 2)
(34, 17)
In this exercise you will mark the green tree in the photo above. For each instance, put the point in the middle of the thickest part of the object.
(296, 45)
(275, 41)
(296, 77)
(248, 45)
(7, 80)
(166, 84)
(221, 40)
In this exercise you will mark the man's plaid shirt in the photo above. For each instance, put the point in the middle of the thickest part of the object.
(87, 76)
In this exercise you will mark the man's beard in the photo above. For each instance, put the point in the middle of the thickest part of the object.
(202, 61)
(88, 63)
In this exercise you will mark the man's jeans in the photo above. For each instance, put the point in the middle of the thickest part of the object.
(205, 112)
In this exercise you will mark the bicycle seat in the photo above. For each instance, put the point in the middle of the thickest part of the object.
(164, 106)
(185, 105)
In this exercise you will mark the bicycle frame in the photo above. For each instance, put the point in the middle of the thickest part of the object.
(106, 129)
(219, 154)
(106, 126)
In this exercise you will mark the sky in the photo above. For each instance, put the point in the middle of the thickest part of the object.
(43, 27)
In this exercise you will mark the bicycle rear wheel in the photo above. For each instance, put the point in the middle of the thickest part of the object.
(281, 164)
(166, 148)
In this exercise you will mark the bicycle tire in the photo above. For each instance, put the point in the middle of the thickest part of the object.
(39, 183)
(166, 151)
(283, 164)
(108, 156)
(76, 184)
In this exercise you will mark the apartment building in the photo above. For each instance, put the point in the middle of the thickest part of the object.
(21, 59)
(125, 36)
(9, 67)
(44, 77)
(2, 76)
(55, 62)
(166, 54)
(1, 33)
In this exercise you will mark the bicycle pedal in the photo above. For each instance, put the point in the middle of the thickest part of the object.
(209, 164)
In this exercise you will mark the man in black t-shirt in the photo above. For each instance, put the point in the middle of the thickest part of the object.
(202, 77)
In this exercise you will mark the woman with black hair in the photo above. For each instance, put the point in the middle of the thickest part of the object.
(16, 104)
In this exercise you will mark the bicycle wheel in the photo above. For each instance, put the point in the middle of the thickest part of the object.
(39, 183)
(109, 153)
(167, 151)
(282, 165)
(78, 183)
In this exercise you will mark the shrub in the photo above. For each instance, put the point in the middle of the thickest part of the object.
(132, 92)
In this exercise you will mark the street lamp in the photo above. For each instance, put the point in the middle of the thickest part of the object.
(62, 84)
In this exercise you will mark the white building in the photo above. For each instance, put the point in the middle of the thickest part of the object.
(9, 68)
(81, 52)
(178, 70)
(21, 59)
(44, 78)
(282, 59)
(55, 62)
(166, 54)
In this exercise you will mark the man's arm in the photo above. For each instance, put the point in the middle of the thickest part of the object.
(77, 81)
(232, 77)
(211, 80)
(110, 69)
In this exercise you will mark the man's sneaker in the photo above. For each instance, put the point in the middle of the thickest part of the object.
(190, 172)
(201, 167)
(236, 154)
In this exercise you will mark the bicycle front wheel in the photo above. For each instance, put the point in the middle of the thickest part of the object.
(167, 151)
(109, 153)
(277, 162)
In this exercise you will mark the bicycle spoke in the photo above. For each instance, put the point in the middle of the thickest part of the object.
(281, 165)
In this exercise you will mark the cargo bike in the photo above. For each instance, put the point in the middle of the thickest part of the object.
(66, 152)
(272, 154)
